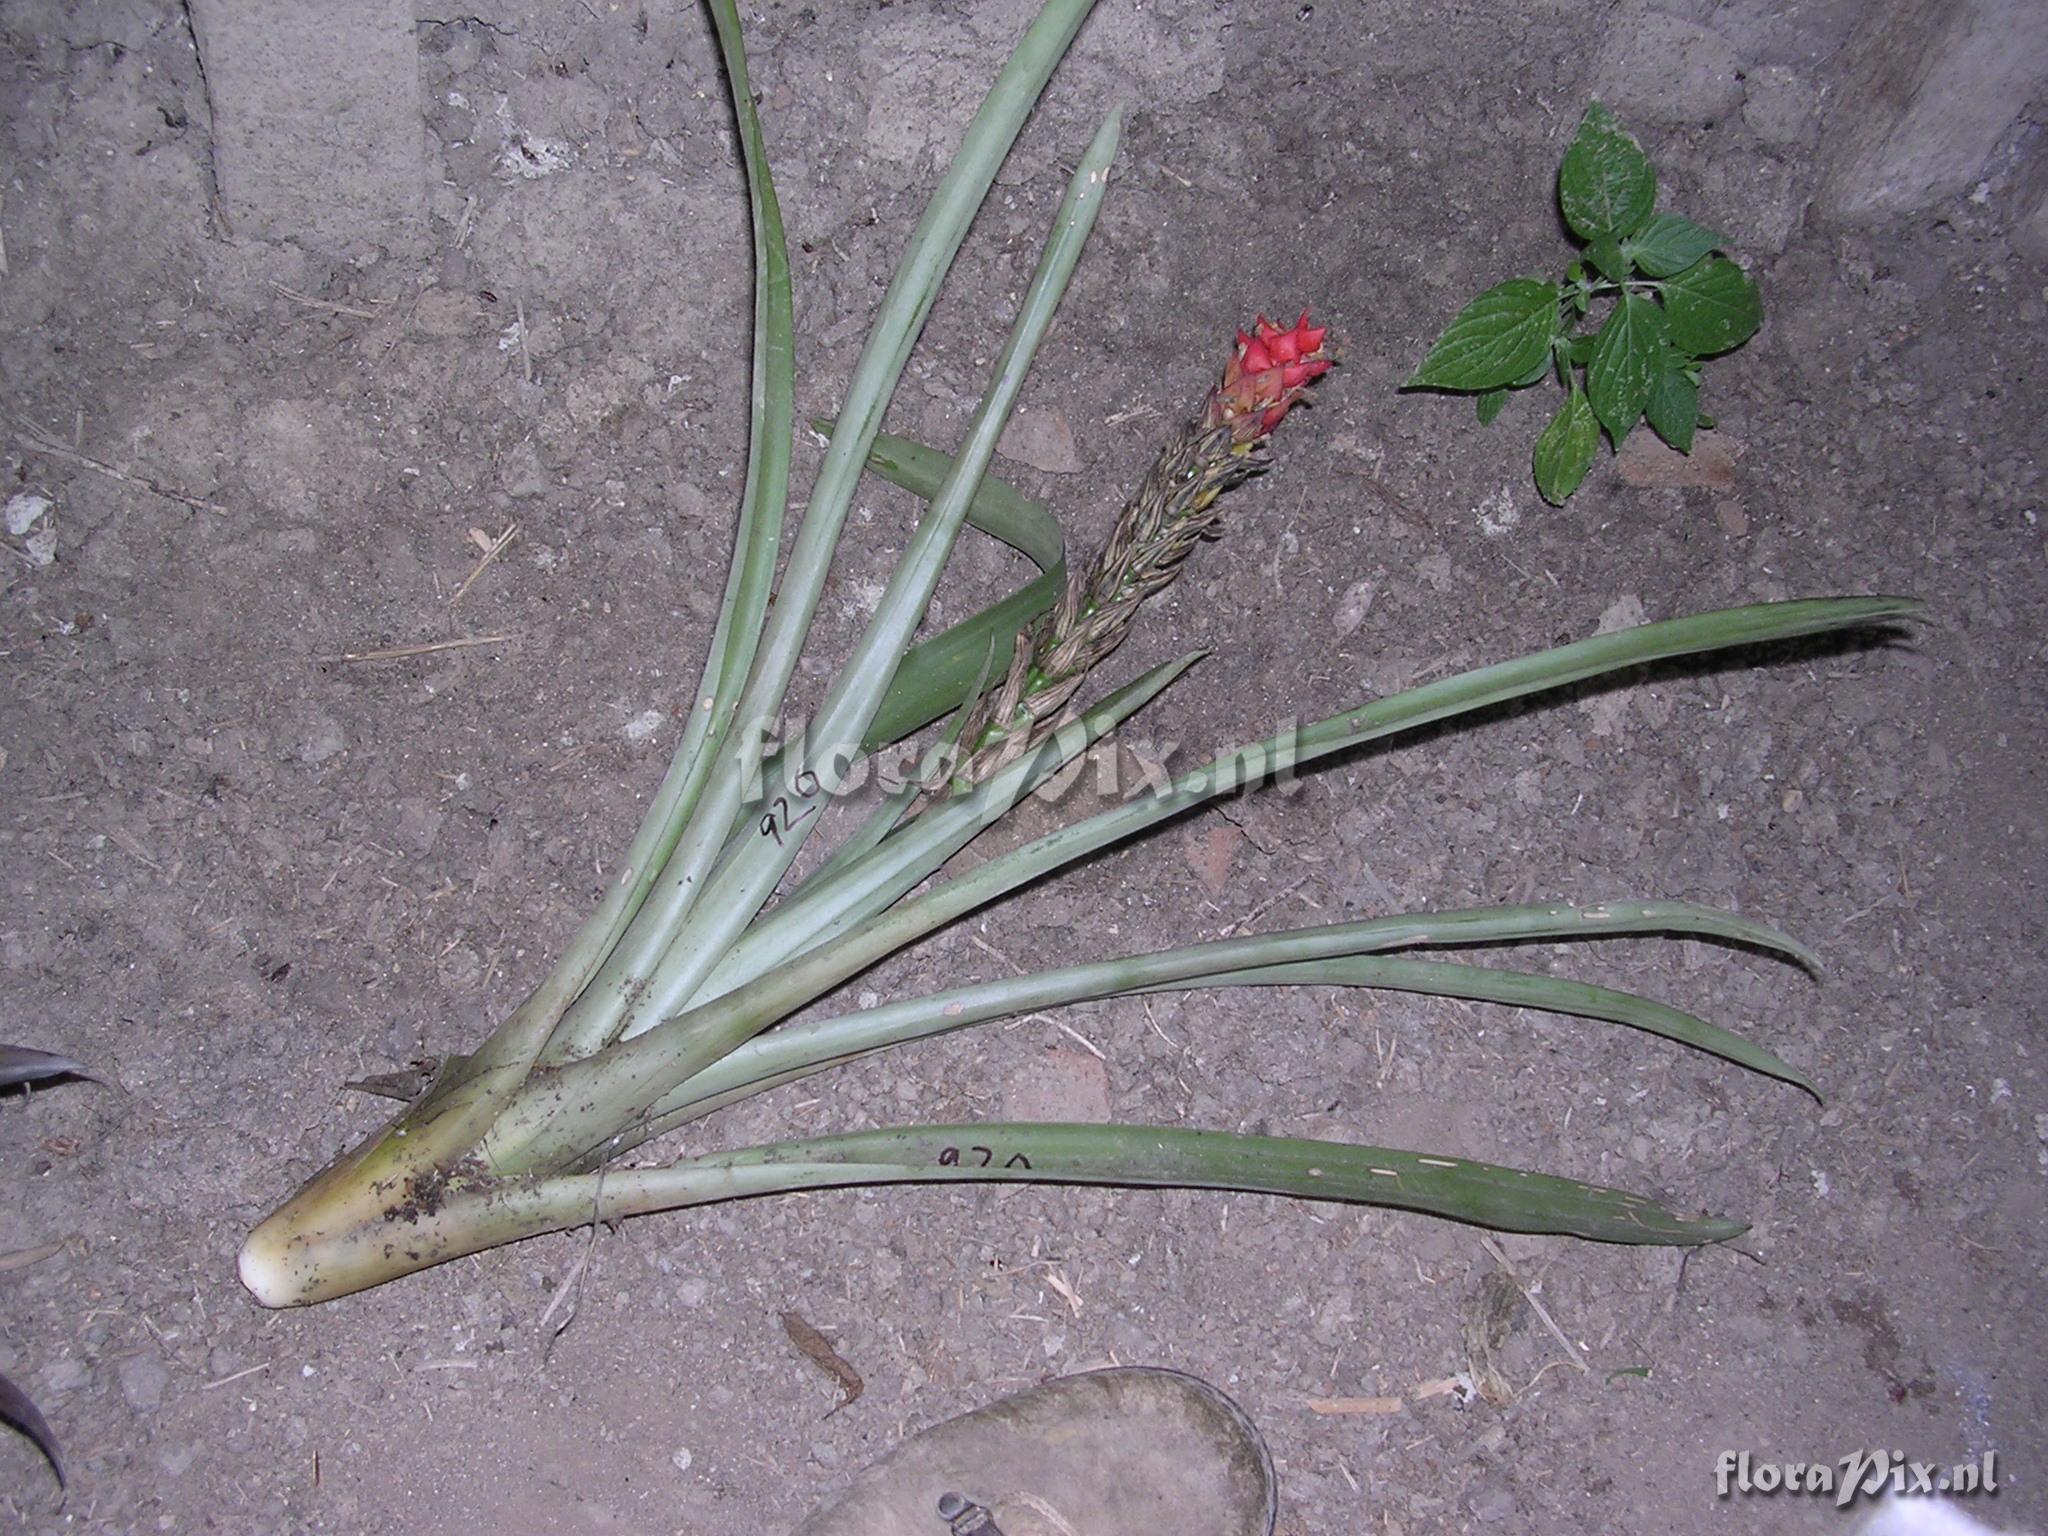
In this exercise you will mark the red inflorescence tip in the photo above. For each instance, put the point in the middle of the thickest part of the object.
(1271, 370)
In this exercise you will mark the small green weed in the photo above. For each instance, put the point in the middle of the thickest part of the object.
(1666, 298)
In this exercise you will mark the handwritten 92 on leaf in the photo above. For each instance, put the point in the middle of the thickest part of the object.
(1624, 332)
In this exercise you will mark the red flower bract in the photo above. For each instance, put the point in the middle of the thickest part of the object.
(1271, 371)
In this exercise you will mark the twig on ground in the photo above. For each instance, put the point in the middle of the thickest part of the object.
(571, 1289)
(221, 1381)
(425, 648)
(42, 442)
(21, 1258)
(1542, 1312)
(492, 549)
(1346, 1406)
(1084, 1042)
(312, 303)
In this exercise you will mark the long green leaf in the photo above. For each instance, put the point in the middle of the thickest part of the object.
(998, 508)
(737, 634)
(1523, 989)
(600, 1011)
(1485, 1194)
(1442, 700)
(464, 1220)
(736, 892)
(622, 1086)
(897, 803)
(595, 1107)
(1273, 959)
(839, 898)
(929, 679)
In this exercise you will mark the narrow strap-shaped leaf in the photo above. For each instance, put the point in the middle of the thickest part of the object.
(735, 893)
(1520, 989)
(626, 977)
(597, 1099)
(736, 638)
(886, 817)
(1486, 1194)
(929, 679)
(799, 1050)
(467, 1220)
(1444, 699)
(998, 509)
(838, 898)
(629, 1079)
(933, 671)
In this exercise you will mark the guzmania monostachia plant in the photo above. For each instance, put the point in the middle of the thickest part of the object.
(675, 998)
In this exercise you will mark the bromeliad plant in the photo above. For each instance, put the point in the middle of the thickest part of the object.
(665, 1005)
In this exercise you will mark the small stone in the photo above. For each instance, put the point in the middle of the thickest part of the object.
(1042, 439)
(1625, 612)
(1491, 1503)
(1498, 515)
(177, 1461)
(143, 1379)
(521, 472)
(1352, 608)
(1733, 520)
(1059, 1084)
(823, 1454)
(1660, 69)
(1210, 853)
(320, 739)
(643, 726)
(24, 511)
(681, 1458)
(1645, 460)
(66, 1375)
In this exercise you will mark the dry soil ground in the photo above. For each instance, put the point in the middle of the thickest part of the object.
(236, 872)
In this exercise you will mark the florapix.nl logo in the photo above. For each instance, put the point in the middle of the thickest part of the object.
(1859, 1475)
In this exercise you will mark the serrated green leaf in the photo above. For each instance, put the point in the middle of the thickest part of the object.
(1564, 453)
(1608, 261)
(1606, 186)
(1673, 408)
(1668, 244)
(1495, 340)
(1711, 308)
(1489, 405)
(1628, 355)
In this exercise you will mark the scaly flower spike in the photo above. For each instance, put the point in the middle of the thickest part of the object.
(1174, 509)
